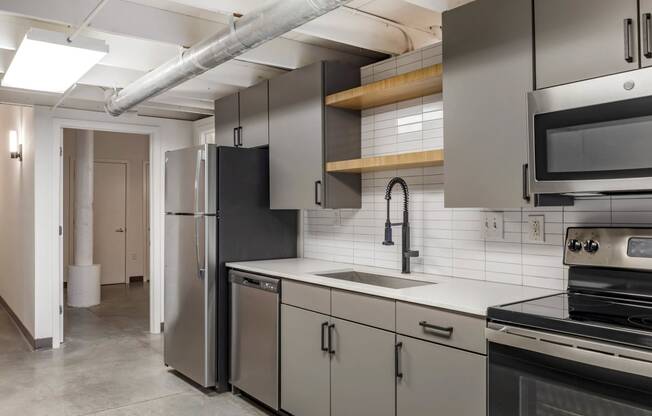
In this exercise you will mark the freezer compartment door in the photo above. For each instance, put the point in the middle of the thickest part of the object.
(190, 176)
(189, 336)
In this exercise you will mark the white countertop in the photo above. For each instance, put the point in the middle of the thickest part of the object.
(461, 295)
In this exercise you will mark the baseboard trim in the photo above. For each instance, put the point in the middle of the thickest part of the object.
(36, 344)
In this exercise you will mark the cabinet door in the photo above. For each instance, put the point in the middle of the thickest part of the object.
(646, 32)
(362, 371)
(227, 119)
(582, 39)
(305, 366)
(488, 61)
(295, 139)
(449, 380)
(254, 117)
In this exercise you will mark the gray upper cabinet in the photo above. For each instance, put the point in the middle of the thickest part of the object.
(242, 119)
(227, 120)
(438, 377)
(646, 32)
(304, 134)
(488, 73)
(305, 364)
(581, 39)
(362, 371)
(254, 116)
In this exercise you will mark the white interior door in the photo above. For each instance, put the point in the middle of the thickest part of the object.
(110, 214)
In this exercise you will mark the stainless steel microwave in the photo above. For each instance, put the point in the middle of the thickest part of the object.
(592, 137)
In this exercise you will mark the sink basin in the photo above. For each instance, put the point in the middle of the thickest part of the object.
(375, 279)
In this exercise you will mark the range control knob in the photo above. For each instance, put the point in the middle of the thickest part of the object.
(591, 246)
(574, 245)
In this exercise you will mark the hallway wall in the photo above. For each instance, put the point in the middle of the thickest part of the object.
(133, 149)
(17, 215)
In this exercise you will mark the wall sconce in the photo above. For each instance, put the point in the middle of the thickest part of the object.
(15, 147)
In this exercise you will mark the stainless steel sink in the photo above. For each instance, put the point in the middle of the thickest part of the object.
(375, 279)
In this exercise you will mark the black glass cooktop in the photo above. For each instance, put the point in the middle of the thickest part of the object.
(608, 318)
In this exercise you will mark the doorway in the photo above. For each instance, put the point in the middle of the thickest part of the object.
(120, 231)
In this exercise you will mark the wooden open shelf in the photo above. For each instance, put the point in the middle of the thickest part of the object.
(400, 161)
(402, 87)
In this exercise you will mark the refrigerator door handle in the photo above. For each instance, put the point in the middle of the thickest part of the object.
(197, 174)
(201, 271)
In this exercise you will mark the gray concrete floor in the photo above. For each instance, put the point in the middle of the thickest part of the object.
(109, 365)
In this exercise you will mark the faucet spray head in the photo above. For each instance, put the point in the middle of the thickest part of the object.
(388, 234)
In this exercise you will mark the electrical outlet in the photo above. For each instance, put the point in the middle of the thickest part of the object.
(536, 228)
(493, 225)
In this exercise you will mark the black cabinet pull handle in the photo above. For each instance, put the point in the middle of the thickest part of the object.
(448, 330)
(628, 24)
(323, 327)
(397, 361)
(647, 30)
(330, 339)
(526, 190)
(235, 137)
(317, 199)
(240, 136)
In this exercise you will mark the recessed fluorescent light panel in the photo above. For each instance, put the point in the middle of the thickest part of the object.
(46, 61)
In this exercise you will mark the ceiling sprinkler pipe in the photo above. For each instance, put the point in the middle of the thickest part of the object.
(261, 25)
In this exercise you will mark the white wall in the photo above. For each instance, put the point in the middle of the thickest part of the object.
(449, 240)
(133, 149)
(204, 131)
(17, 215)
(166, 135)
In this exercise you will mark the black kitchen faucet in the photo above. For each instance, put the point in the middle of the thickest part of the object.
(406, 253)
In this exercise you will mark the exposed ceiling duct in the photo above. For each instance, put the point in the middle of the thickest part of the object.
(255, 28)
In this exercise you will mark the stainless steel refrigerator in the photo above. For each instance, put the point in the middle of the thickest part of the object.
(216, 211)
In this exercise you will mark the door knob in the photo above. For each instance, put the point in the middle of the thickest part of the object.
(120, 230)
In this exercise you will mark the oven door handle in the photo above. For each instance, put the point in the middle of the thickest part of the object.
(597, 354)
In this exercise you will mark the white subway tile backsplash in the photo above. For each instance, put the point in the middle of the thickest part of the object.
(449, 240)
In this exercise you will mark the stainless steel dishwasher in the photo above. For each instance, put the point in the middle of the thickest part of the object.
(255, 328)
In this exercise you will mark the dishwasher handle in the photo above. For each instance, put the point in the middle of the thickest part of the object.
(268, 284)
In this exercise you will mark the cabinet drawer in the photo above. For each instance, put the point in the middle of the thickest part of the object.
(306, 296)
(460, 331)
(364, 309)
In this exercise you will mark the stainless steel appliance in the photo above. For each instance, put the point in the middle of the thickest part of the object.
(217, 210)
(255, 304)
(592, 136)
(585, 352)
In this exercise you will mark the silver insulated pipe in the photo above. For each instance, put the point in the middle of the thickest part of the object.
(268, 22)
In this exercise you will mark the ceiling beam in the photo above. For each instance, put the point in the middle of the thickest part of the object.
(439, 5)
(139, 21)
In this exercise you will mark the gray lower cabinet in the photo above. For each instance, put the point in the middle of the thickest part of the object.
(304, 135)
(488, 60)
(242, 119)
(362, 370)
(439, 380)
(305, 366)
(582, 39)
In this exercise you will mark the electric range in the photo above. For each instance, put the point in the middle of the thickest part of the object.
(584, 352)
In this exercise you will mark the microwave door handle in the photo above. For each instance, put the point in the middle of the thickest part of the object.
(526, 190)
(628, 24)
(647, 30)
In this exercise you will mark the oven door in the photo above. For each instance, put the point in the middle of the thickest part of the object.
(593, 136)
(540, 374)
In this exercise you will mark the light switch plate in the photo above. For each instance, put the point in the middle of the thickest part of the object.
(536, 228)
(493, 225)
